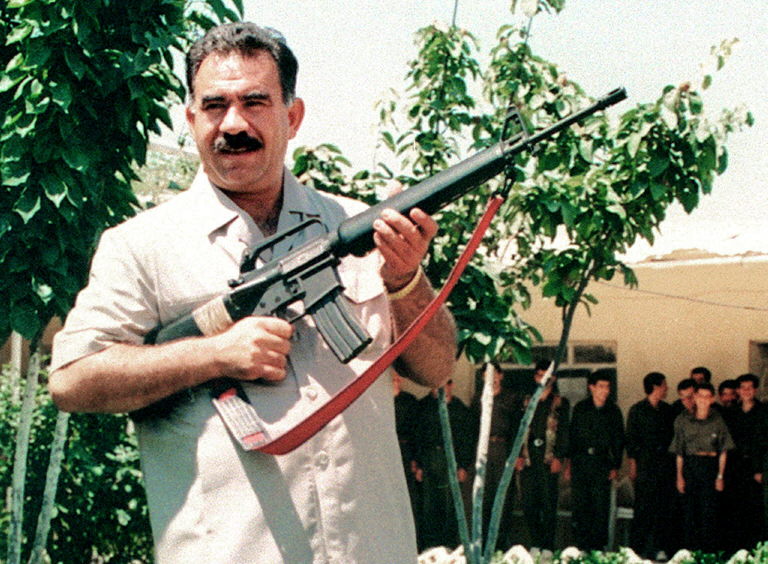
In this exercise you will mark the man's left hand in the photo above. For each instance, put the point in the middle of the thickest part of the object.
(403, 242)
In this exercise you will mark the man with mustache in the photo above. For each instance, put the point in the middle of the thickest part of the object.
(341, 497)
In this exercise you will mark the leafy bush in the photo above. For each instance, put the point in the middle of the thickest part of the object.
(101, 512)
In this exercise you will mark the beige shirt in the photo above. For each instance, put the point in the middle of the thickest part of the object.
(341, 497)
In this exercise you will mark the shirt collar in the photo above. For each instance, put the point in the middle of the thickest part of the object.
(214, 209)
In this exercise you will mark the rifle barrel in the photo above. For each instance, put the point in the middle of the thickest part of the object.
(355, 235)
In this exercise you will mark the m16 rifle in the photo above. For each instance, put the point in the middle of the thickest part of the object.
(308, 273)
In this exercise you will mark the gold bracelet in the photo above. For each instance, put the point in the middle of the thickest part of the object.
(408, 288)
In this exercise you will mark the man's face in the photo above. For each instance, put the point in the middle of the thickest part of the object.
(498, 376)
(240, 123)
(697, 377)
(686, 398)
(728, 396)
(747, 391)
(703, 399)
(600, 391)
(661, 390)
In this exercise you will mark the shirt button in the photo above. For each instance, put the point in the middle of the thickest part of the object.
(321, 460)
(312, 393)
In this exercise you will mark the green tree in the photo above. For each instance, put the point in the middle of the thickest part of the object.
(576, 204)
(84, 85)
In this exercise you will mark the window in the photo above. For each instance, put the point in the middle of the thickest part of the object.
(581, 360)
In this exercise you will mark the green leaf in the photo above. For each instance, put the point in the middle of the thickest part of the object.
(38, 53)
(722, 162)
(12, 178)
(696, 104)
(27, 205)
(24, 320)
(388, 140)
(617, 210)
(75, 64)
(570, 213)
(658, 165)
(19, 33)
(585, 149)
(43, 291)
(669, 117)
(61, 94)
(54, 188)
(633, 142)
(658, 191)
(7, 81)
(75, 157)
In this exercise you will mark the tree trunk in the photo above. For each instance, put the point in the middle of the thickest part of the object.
(569, 311)
(51, 484)
(16, 535)
(453, 480)
(17, 344)
(478, 487)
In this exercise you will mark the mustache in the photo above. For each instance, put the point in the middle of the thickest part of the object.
(228, 143)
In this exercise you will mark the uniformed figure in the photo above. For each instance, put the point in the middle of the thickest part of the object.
(727, 394)
(439, 523)
(684, 401)
(747, 423)
(701, 375)
(652, 468)
(540, 462)
(406, 424)
(700, 446)
(596, 445)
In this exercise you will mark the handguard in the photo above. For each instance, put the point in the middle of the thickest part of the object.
(308, 274)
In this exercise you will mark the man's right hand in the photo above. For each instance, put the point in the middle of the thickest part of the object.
(255, 348)
(126, 377)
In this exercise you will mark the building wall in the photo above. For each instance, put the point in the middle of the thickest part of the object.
(682, 314)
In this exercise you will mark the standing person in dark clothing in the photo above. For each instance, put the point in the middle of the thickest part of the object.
(540, 461)
(650, 428)
(406, 425)
(744, 472)
(440, 526)
(683, 404)
(505, 419)
(701, 375)
(596, 445)
(684, 401)
(727, 394)
(700, 446)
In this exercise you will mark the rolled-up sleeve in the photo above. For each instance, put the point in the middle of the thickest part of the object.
(117, 305)
(678, 441)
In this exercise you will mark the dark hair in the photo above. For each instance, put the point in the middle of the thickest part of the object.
(731, 384)
(496, 366)
(246, 38)
(542, 365)
(685, 384)
(749, 378)
(704, 371)
(705, 386)
(651, 380)
(598, 376)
